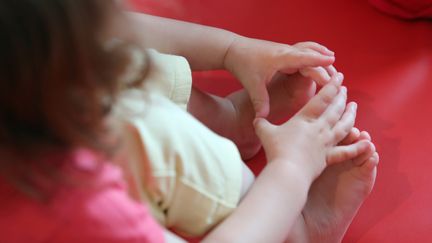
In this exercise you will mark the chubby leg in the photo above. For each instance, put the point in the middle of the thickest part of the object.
(337, 194)
(233, 116)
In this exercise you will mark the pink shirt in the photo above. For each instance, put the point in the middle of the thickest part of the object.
(100, 211)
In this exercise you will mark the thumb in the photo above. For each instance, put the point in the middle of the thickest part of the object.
(260, 100)
(262, 127)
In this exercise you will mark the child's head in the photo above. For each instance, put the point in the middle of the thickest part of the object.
(58, 79)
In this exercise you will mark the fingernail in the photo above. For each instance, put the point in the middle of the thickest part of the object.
(344, 89)
(354, 106)
(373, 147)
(339, 78)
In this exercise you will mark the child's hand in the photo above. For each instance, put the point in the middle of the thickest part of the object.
(255, 62)
(309, 139)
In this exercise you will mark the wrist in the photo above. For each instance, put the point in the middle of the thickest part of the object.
(229, 56)
(297, 172)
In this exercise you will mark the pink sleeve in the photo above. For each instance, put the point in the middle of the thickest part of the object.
(107, 214)
(98, 210)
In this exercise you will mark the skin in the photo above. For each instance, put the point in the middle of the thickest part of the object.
(298, 151)
(233, 116)
(340, 190)
(287, 95)
(254, 62)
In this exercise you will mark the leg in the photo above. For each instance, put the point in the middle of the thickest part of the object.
(233, 116)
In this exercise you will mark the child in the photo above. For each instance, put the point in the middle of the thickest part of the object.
(53, 152)
(231, 117)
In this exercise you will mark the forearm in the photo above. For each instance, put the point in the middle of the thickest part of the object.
(203, 46)
(270, 208)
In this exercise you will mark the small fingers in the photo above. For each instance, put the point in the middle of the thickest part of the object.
(343, 126)
(316, 47)
(319, 103)
(311, 59)
(348, 152)
(336, 109)
(331, 70)
(321, 75)
(318, 74)
(365, 135)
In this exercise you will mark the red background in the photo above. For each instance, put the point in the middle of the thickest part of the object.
(388, 70)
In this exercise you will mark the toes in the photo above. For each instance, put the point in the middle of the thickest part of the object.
(320, 102)
(353, 136)
(370, 164)
(365, 135)
(343, 126)
(361, 159)
(347, 152)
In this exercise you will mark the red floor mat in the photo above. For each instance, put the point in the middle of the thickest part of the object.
(388, 68)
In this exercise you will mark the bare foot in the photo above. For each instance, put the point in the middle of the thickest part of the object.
(287, 95)
(335, 197)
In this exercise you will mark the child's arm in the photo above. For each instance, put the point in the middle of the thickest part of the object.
(270, 208)
(203, 46)
(297, 152)
(254, 62)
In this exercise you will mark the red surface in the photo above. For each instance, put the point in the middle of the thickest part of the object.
(407, 9)
(388, 68)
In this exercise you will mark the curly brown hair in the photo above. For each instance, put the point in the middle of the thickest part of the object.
(58, 81)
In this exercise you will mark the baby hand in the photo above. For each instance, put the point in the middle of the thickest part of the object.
(254, 62)
(310, 138)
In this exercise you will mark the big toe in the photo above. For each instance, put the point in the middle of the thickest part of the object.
(368, 168)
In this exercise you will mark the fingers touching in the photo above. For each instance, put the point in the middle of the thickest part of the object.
(353, 136)
(361, 149)
(317, 54)
(345, 124)
(311, 59)
(318, 74)
(357, 147)
(321, 101)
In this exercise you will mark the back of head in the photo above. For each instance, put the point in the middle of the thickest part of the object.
(57, 80)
